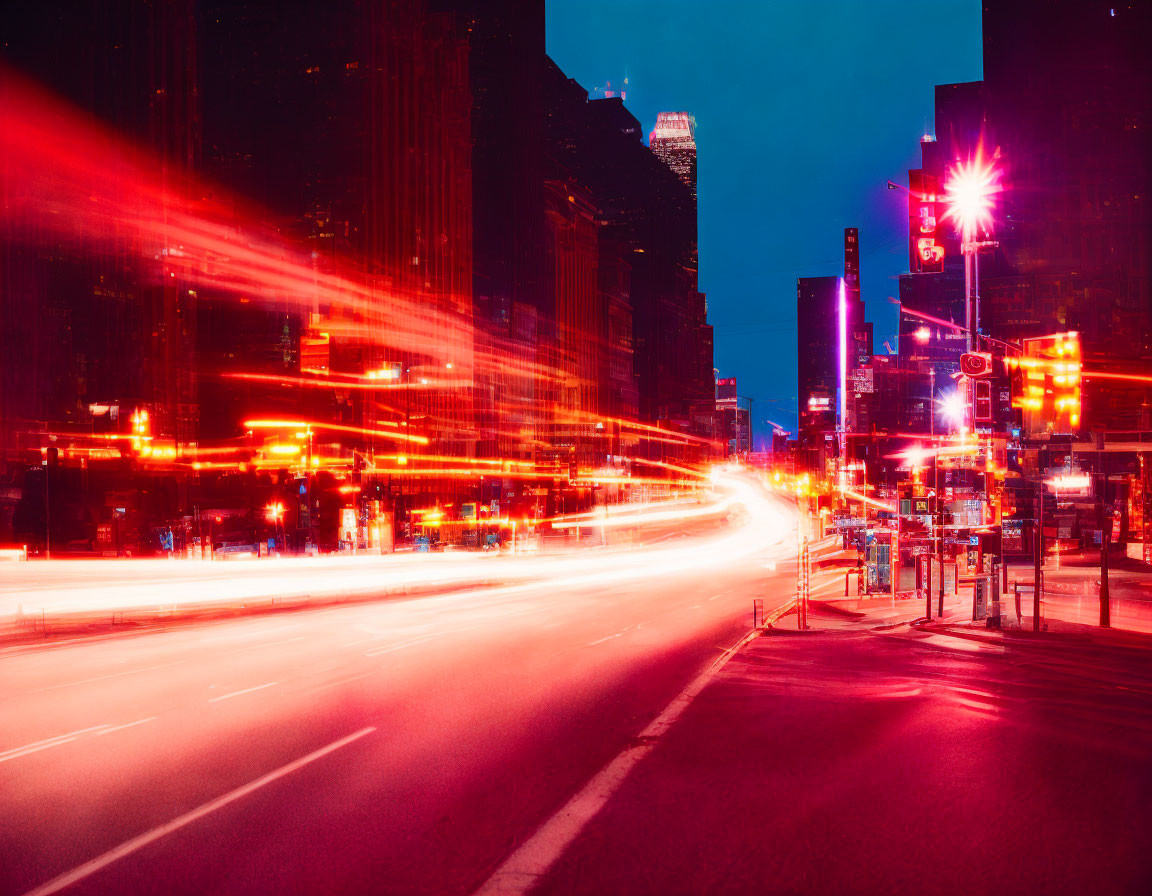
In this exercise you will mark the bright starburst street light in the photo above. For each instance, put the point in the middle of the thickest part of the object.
(969, 194)
(952, 407)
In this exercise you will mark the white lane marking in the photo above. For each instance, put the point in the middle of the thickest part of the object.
(602, 640)
(274, 643)
(258, 687)
(55, 687)
(17, 752)
(523, 869)
(914, 692)
(339, 681)
(130, 846)
(422, 639)
(377, 651)
(127, 725)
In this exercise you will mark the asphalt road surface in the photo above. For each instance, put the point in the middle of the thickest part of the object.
(401, 746)
(882, 761)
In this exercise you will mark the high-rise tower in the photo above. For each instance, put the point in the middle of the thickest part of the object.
(674, 142)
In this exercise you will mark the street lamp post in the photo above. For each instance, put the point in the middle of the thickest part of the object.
(1105, 515)
(969, 197)
(1039, 571)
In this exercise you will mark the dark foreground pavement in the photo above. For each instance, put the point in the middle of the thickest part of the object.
(849, 760)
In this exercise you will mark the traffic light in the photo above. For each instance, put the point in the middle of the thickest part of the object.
(982, 410)
(976, 364)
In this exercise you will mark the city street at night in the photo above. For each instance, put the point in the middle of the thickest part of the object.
(419, 745)
(576, 448)
(474, 716)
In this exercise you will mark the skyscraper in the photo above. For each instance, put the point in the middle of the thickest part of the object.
(674, 142)
(1069, 111)
(817, 356)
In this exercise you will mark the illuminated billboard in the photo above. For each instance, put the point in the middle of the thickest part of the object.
(926, 252)
(1047, 388)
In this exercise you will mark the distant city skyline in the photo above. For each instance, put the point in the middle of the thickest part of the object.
(780, 177)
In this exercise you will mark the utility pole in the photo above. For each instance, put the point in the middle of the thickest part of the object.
(1105, 537)
(935, 489)
(939, 510)
(928, 589)
(940, 606)
(1003, 553)
(1039, 572)
(47, 514)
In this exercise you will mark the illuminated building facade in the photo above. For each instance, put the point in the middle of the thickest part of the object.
(673, 141)
(734, 419)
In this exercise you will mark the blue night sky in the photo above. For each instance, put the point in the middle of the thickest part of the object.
(804, 109)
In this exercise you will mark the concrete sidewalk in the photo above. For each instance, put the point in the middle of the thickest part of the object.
(861, 758)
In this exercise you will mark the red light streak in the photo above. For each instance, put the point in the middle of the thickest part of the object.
(64, 175)
(334, 427)
(856, 496)
(1129, 377)
(69, 177)
(353, 381)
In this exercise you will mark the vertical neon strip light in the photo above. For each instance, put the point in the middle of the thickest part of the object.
(843, 357)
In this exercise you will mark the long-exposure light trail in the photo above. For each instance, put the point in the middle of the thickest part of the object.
(318, 425)
(69, 587)
(64, 175)
(351, 382)
(71, 178)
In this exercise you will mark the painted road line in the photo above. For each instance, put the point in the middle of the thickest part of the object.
(391, 648)
(338, 682)
(258, 687)
(17, 752)
(126, 725)
(130, 846)
(527, 865)
(69, 684)
(273, 643)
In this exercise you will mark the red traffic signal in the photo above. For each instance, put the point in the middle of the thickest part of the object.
(976, 364)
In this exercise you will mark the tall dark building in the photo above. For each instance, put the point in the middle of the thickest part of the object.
(511, 284)
(78, 328)
(648, 218)
(406, 236)
(817, 353)
(818, 348)
(1070, 110)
